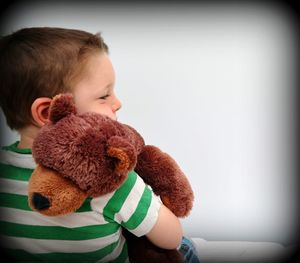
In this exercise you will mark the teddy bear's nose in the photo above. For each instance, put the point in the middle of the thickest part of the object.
(39, 201)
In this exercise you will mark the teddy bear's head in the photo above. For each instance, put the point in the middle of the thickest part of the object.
(52, 194)
(89, 152)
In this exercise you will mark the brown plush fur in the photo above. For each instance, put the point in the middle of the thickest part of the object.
(167, 180)
(58, 191)
(93, 154)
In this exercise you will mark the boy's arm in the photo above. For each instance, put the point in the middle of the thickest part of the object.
(167, 232)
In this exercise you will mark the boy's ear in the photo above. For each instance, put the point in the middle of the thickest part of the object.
(40, 110)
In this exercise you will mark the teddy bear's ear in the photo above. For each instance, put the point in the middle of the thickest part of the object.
(123, 152)
(61, 106)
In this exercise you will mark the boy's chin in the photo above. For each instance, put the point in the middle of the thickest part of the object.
(111, 116)
(114, 117)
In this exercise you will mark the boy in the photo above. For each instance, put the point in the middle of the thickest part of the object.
(35, 65)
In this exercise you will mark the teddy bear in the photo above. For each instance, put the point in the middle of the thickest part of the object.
(89, 155)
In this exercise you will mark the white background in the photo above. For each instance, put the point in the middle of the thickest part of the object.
(212, 85)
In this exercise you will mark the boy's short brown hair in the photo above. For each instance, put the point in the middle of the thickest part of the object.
(40, 62)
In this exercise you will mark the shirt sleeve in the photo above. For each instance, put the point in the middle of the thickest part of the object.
(133, 205)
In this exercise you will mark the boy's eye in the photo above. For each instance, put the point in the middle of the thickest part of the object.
(104, 97)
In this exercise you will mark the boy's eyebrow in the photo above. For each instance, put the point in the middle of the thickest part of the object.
(109, 86)
(106, 88)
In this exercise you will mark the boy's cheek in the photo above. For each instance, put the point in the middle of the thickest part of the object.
(96, 107)
(103, 109)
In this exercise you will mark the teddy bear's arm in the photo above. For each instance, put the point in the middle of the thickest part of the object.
(162, 173)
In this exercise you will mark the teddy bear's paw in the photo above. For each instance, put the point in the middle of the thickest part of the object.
(166, 201)
(180, 208)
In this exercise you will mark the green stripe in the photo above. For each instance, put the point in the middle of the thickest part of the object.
(123, 256)
(14, 148)
(86, 206)
(21, 202)
(58, 232)
(20, 255)
(141, 210)
(115, 203)
(15, 173)
(94, 256)
(14, 201)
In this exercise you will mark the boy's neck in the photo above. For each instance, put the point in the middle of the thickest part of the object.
(27, 136)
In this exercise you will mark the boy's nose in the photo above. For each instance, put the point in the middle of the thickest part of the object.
(40, 202)
(116, 105)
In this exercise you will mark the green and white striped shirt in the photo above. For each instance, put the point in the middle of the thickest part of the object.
(91, 234)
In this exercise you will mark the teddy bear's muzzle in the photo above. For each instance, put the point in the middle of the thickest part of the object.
(40, 202)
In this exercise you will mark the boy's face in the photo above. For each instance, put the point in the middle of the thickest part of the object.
(95, 90)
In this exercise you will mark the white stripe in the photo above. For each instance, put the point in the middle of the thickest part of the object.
(61, 246)
(112, 256)
(13, 186)
(98, 203)
(17, 159)
(150, 219)
(34, 218)
(131, 201)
